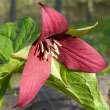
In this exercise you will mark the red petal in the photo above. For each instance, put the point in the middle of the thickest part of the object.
(52, 22)
(78, 55)
(35, 73)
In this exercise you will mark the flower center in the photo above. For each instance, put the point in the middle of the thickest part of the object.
(49, 46)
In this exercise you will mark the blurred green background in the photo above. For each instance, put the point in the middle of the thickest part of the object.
(79, 13)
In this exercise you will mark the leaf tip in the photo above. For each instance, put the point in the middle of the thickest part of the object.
(96, 24)
(41, 4)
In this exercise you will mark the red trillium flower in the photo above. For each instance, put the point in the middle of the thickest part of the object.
(74, 53)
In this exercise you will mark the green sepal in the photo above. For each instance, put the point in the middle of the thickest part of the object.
(58, 70)
(23, 54)
(82, 31)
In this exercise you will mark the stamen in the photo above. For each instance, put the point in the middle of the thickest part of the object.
(42, 47)
(49, 42)
(36, 49)
(55, 41)
(53, 54)
(55, 51)
(48, 51)
(49, 46)
(55, 46)
(46, 56)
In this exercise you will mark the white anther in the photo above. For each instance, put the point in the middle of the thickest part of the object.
(42, 47)
(53, 54)
(45, 54)
(57, 51)
(48, 51)
(55, 41)
(55, 46)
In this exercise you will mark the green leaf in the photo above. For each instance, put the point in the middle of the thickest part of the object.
(82, 31)
(15, 36)
(3, 88)
(13, 66)
(35, 34)
(82, 87)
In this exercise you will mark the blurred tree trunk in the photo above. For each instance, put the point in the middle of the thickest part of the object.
(58, 5)
(90, 10)
(13, 10)
(67, 10)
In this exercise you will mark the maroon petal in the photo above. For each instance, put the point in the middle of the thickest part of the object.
(52, 22)
(35, 73)
(78, 55)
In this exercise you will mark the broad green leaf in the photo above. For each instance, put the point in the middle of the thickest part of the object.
(15, 36)
(82, 31)
(80, 93)
(3, 88)
(35, 34)
(13, 66)
(82, 87)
